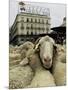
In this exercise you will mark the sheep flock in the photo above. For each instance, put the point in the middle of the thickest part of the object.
(39, 64)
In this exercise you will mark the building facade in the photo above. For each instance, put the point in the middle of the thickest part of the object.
(27, 24)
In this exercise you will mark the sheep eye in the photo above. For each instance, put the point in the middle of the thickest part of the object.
(39, 44)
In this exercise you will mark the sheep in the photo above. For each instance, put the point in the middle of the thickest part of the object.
(27, 45)
(61, 53)
(20, 77)
(14, 56)
(24, 48)
(42, 77)
(46, 46)
(18, 53)
(59, 73)
(59, 66)
(14, 49)
(14, 59)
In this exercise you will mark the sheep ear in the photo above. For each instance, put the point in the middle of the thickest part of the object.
(62, 49)
(24, 62)
(55, 48)
(37, 47)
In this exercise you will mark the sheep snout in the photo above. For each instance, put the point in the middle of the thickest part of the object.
(47, 60)
(47, 64)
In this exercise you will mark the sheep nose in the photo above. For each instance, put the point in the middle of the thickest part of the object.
(47, 60)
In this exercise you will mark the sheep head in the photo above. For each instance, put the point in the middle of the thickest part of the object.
(46, 46)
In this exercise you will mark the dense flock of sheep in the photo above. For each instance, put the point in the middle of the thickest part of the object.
(41, 64)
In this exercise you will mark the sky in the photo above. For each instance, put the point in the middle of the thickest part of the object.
(57, 11)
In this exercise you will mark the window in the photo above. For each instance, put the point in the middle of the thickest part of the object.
(27, 28)
(35, 28)
(43, 29)
(42, 21)
(31, 26)
(22, 27)
(35, 20)
(31, 20)
(39, 20)
(27, 32)
(31, 33)
(47, 29)
(22, 19)
(27, 19)
(39, 28)
(47, 22)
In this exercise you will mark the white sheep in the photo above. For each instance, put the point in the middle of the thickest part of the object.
(18, 53)
(24, 48)
(14, 49)
(20, 77)
(59, 73)
(14, 57)
(42, 77)
(27, 45)
(61, 53)
(46, 46)
(59, 66)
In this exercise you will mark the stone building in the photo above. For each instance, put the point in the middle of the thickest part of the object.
(28, 26)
